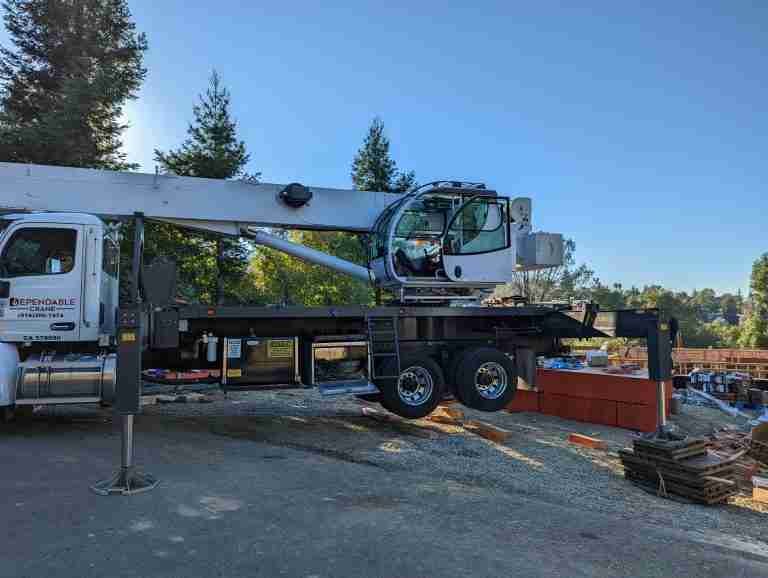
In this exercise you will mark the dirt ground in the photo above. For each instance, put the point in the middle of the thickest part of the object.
(243, 476)
(536, 455)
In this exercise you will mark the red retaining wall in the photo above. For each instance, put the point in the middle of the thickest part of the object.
(615, 400)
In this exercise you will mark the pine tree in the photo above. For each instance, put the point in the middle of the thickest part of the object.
(211, 150)
(373, 169)
(72, 67)
(754, 332)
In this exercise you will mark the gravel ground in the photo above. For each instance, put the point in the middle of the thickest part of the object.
(536, 460)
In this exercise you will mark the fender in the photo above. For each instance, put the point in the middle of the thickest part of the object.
(9, 364)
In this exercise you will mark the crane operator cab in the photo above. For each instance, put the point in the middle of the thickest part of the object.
(452, 239)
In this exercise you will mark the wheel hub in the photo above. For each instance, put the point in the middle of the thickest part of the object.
(491, 380)
(415, 385)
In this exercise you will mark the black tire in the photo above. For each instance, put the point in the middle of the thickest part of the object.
(469, 377)
(24, 412)
(419, 367)
(450, 375)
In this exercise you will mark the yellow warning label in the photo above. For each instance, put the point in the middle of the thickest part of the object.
(234, 373)
(127, 336)
(664, 327)
(280, 348)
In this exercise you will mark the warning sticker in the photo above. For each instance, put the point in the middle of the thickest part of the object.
(234, 348)
(280, 348)
(234, 373)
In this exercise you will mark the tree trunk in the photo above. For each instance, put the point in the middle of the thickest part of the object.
(219, 292)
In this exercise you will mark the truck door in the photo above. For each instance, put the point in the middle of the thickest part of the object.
(42, 267)
(476, 245)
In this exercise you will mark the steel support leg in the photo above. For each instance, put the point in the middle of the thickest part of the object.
(664, 430)
(128, 403)
(127, 480)
(661, 405)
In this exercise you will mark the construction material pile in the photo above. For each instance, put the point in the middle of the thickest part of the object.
(758, 450)
(729, 386)
(751, 455)
(682, 468)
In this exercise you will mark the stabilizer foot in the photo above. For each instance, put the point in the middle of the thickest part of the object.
(126, 482)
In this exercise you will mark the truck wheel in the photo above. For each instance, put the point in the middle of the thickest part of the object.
(449, 371)
(418, 389)
(486, 379)
(24, 411)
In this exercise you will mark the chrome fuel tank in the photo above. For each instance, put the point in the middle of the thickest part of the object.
(66, 378)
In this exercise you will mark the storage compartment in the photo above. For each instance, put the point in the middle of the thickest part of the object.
(265, 361)
(340, 362)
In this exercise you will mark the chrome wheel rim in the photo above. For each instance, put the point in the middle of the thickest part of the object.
(491, 380)
(415, 385)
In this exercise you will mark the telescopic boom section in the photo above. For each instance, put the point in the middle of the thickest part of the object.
(217, 205)
(311, 255)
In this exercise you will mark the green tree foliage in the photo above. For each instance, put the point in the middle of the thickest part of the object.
(755, 330)
(731, 307)
(212, 149)
(72, 66)
(283, 280)
(700, 326)
(373, 169)
(210, 268)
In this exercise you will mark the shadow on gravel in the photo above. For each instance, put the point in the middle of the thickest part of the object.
(349, 439)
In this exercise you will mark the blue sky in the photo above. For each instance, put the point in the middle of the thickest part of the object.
(639, 128)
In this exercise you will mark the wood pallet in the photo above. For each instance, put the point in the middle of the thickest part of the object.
(671, 450)
(709, 499)
(684, 469)
(758, 450)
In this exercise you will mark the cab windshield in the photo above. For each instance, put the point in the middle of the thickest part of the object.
(417, 239)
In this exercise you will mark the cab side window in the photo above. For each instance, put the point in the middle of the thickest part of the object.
(39, 251)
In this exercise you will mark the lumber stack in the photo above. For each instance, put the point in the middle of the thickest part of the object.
(683, 468)
(758, 450)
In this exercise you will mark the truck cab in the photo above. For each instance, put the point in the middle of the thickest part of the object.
(58, 278)
(58, 303)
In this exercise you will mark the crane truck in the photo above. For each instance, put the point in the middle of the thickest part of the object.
(65, 337)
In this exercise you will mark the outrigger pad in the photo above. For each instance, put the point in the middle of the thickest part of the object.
(126, 482)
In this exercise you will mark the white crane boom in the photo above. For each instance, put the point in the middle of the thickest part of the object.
(445, 239)
(211, 204)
